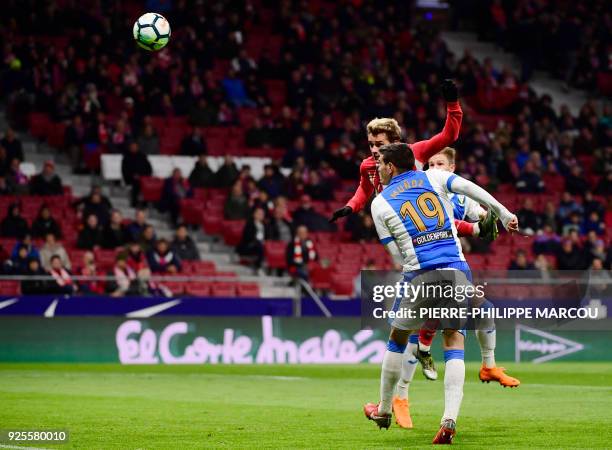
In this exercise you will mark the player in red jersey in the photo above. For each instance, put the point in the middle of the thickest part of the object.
(385, 131)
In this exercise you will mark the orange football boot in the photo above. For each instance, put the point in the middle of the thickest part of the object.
(489, 374)
(401, 409)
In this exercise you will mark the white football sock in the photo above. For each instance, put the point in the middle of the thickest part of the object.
(476, 230)
(391, 368)
(487, 340)
(454, 377)
(423, 347)
(409, 364)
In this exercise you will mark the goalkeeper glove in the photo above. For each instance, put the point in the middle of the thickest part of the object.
(342, 212)
(449, 90)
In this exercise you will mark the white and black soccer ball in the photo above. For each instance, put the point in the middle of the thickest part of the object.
(152, 31)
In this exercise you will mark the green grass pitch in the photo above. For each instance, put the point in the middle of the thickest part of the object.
(559, 405)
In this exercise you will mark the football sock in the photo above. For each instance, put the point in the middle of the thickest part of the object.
(409, 365)
(486, 339)
(454, 377)
(390, 373)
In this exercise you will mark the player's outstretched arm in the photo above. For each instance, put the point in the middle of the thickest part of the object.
(423, 150)
(359, 199)
(460, 185)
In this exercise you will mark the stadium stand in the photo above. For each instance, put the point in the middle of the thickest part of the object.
(298, 134)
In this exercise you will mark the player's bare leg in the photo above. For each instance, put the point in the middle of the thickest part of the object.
(390, 374)
(454, 377)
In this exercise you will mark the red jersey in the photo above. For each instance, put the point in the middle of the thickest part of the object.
(423, 150)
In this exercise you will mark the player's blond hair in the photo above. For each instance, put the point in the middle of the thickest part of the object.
(450, 154)
(385, 125)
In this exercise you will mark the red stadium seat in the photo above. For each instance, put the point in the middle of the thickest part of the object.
(176, 287)
(212, 222)
(191, 211)
(247, 290)
(198, 289)
(202, 268)
(342, 284)
(274, 253)
(151, 188)
(232, 231)
(320, 277)
(223, 290)
(10, 288)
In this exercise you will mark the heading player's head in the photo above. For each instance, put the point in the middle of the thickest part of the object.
(382, 132)
(394, 159)
(444, 160)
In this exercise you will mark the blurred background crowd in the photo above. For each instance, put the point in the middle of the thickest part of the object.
(294, 82)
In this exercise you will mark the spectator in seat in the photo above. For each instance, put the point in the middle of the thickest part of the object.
(202, 114)
(600, 281)
(573, 224)
(317, 188)
(194, 143)
(148, 142)
(604, 187)
(134, 166)
(17, 180)
(529, 180)
(136, 258)
(162, 259)
(53, 248)
(281, 227)
(74, 140)
(148, 239)
(590, 204)
(272, 181)
(543, 266)
(47, 182)
(237, 204)
(202, 176)
(300, 251)
(35, 286)
(26, 242)
(183, 246)
(115, 232)
(18, 263)
(95, 203)
(176, 188)
(14, 149)
(91, 236)
(570, 257)
(89, 269)
(254, 234)
(530, 220)
(63, 279)
(227, 173)
(308, 217)
(521, 262)
(568, 205)
(593, 223)
(549, 217)
(594, 247)
(14, 225)
(235, 91)
(258, 135)
(126, 278)
(547, 241)
(136, 228)
(365, 231)
(45, 224)
(575, 182)
(5, 188)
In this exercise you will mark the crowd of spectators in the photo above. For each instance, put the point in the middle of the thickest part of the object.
(338, 67)
(569, 39)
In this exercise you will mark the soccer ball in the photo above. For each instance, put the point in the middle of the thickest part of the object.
(152, 31)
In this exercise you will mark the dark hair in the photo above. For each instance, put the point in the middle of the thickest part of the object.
(399, 154)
